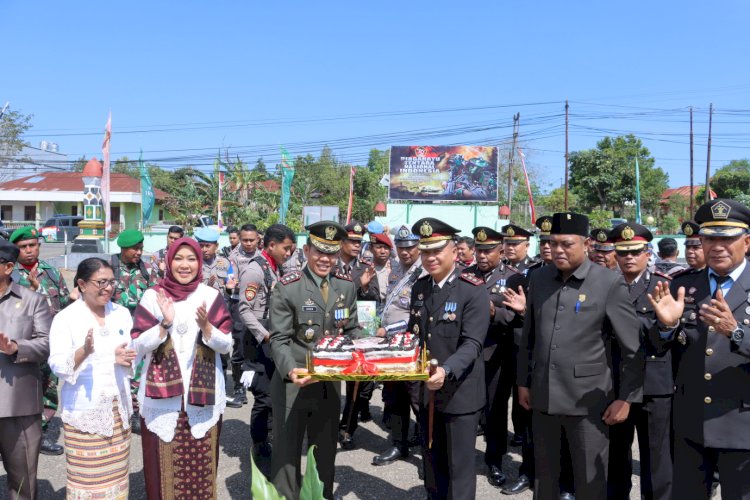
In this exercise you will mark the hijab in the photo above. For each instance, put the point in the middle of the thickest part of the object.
(173, 288)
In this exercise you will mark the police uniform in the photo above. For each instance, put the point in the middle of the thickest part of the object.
(451, 318)
(711, 416)
(257, 280)
(299, 317)
(652, 417)
(216, 272)
(239, 260)
(25, 318)
(516, 234)
(52, 286)
(400, 397)
(565, 363)
(498, 352)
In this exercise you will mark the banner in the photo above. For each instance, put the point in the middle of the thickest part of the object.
(287, 176)
(147, 192)
(105, 176)
(443, 173)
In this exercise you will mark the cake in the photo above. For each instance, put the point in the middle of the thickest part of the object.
(340, 354)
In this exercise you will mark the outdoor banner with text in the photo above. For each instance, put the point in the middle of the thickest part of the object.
(443, 173)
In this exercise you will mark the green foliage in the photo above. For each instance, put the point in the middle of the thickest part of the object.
(732, 179)
(262, 487)
(13, 125)
(312, 486)
(679, 207)
(605, 177)
(600, 218)
(520, 212)
(555, 202)
(669, 224)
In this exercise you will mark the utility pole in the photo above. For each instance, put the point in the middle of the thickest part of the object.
(566, 154)
(708, 155)
(512, 155)
(692, 194)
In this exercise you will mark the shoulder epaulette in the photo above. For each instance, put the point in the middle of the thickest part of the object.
(513, 268)
(685, 272)
(663, 275)
(290, 278)
(338, 273)
(425, 277)
(471, 279)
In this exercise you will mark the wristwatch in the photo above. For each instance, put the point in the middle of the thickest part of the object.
(737, 335)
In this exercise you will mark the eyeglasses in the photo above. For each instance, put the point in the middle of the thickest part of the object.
(624, 253)
(102, 284)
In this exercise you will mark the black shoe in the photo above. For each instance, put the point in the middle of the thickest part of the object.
(564, 495)
(50, 448)
(516, 440)
(263, 449)
(520, 485)
(496, 476)
(391, 455)
(414, 441)
(233, 403)
(347, 443)
(240, 395)
(135, 423)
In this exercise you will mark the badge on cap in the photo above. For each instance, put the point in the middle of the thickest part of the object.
(357, 228)
(601, 237)
(546, 226)
(426, 229)
(510, 232)
(720, 210)
(628, 233)
(330, 233)
(481, 235)
(688, 230)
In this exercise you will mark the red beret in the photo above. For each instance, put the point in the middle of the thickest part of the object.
(381, 238)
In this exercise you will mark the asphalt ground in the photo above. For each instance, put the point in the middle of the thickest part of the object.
(356, 477)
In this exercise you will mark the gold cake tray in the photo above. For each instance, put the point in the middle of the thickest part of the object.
(420, 374)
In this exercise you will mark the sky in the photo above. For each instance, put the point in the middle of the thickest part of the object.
(185, 80)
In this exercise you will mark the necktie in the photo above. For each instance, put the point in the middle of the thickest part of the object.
(324, 290)
(720, 280)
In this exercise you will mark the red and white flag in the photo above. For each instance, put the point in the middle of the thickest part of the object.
(528, 185)
(351, 195)
(105, 175)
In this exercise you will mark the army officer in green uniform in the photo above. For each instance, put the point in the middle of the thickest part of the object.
(304, 305)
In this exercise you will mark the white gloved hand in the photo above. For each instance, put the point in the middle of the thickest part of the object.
(247, 378)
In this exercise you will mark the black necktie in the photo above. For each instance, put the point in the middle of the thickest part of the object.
(720, 280)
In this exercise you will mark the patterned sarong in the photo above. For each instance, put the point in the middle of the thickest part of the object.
(98, 465)
(185, 468)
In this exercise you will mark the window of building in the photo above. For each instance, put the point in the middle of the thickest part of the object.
(6, 212)
(161, 214)
(74, 210)
(29, 212)
(115, 219)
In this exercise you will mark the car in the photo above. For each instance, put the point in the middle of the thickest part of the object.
(4, 233)
(59, 225)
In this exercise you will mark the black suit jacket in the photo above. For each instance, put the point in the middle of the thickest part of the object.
(712, 397)
(565, 357)
(454, 343)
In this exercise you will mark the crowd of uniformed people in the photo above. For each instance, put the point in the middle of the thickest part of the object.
(598, 340)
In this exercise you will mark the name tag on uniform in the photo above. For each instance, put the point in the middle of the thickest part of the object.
(309, 309)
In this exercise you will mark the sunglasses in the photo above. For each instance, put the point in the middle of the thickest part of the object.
(625, 253)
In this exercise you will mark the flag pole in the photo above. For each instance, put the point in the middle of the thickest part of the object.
(707, 196)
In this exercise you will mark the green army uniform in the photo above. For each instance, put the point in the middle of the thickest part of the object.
(299, 318)
(52, 286)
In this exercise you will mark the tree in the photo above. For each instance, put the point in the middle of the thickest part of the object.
(604, 177)
(555, 202)
(79, 164)
(600, 219)
(260, 168)
(13, 125)
(732, 180)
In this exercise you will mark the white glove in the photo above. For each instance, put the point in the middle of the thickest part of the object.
(247, 378)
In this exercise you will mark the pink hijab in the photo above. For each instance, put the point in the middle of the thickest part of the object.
(173, 288)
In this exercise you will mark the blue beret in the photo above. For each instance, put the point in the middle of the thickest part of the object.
(206, 235)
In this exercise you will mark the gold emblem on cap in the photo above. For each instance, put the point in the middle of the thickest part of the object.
(357, 228)
(330, 233)
(601, 237)
(720, 210)
(688, 230)
(546, 225)
(481, 235)
(628, 233)
(425, 229)
(510, 232)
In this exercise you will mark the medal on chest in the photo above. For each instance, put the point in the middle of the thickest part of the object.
(450, 311)
(341, 315)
